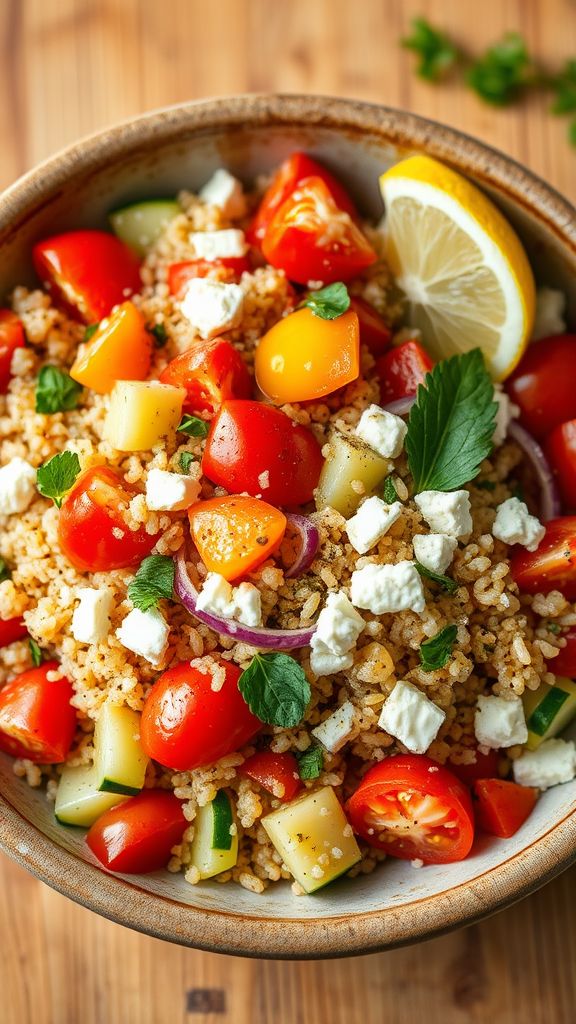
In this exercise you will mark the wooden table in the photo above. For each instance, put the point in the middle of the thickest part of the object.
(69, 67)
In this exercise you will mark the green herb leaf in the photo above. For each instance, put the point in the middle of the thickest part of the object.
(56, 391)
(186, 459)
(436, 652)
(564, 88)
(90, 331)
(451, 423)
(553, 627)
(153, 581)
(389, 492)
(436, 51)
(330, 302)
(503, 72)
(193, 426)
(572, 133)
(57, 476)
(310, 763)
(159, 333)
(446, 582)
(275, 689)
(5, 573)
(35, 652)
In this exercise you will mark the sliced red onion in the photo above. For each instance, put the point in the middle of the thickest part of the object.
(550, 506)
(310, 540)
(275, 639)
(401, 406)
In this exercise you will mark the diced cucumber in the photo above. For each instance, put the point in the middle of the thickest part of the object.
(78, 800)
(141, 224)
(548, 710)
(119, 760)
(349, 460)
(314, 839)
(214, 848)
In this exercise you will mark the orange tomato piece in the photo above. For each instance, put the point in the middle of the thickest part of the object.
(235, 534)
(304, 357)
(120, 349)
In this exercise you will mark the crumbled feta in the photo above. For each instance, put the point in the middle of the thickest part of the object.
(434, 551)
(446, 511)
(219, 597)
(224, 191)
(552, 763)
(91, 618)
(214, 245)
(324, 662)
(499, 722)
(336, 730)
(411, 717)
(383, 431)
(339, 624)
(212, 306)
(247, 604)
(17, 486)
(146, 634)
(506, 412)
(170, 492)
(388, 588)
(372, 520)
(549, 315)
(515, 525)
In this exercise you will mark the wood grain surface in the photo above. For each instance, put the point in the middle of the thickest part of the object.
(68, 68)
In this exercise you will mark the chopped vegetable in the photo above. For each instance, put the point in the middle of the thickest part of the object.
(215, 845)
(561, 451)
(12, 630)
(276, 689)
(374, 331)
(141, 413)
(138, 835)
(402, 370)
(235, 534)
(119, 760)
(56, 391)
(119, 349)
(435, 653)
(153, 582)
(548, 710)
(502, 807)
(226, 269)
(277, 773)
(37, 720)
(542, 384)
(57, 476)
(79, 801)
(553, 565)
(141, 224)
(350, 471)
(211, 372)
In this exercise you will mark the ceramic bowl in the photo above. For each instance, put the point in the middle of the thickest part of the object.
(158, 154)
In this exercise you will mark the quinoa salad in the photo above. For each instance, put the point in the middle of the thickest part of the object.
(287, 564)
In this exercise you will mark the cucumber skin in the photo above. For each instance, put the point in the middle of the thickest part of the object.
(543, 717)
(109, 786)
(222, 816)
(334, 878)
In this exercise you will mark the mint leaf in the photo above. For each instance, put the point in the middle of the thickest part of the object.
(193, 426)
(35, 653)
(186, 459)
(451, 423)
(436, 652)
(503, 72)
(447, 584)
(153, 581)
(330, 302)
(389, 492)
(310, 763)
(436, 51)
(275, 689)
(90, 331)
(5, 573)
(57, 476)
(56, 391)
(159, 333)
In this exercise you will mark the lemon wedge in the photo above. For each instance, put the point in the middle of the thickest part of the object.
(462, 268)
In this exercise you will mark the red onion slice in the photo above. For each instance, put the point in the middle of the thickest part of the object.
(550, 506)
(401, 406)
(310, 540)
(275, 639)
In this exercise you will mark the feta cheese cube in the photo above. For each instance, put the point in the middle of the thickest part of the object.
(372, 520)
(552, 763)
(339, 624)
(388, 588)
(17, 486)
(446, 511)
(434, 551)
(247, 604)
(383, 431)
(145, 634)
(214, 245)
(336, 730)
(170, 492)
(220, 598)
(506, 411)
(224, 191)
(324, 662)
(411, 717)
(212, 306)
(499, 722)
(515, 525)
(91, 618)
(549, 317)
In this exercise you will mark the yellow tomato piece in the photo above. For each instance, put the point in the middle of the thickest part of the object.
(305, 357)
(120, 349)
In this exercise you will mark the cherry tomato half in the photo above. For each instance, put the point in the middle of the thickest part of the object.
(37, 720)
(543, 384)
(553, 565)
(564, 664)
(502, 807)
(186, 724)
(561, 451)
(11, 337)
(12, 630)
(273, 771)
(401, 370)
(413, 808)
(230, 268)
(211, 372)
(91, 529)
(484, 767)
(138, 835)
(374, 331)
(250, 442)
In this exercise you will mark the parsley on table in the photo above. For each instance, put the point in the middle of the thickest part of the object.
(186, 459)
(90, 331)
(501, 74)
(5, 573)
(451, 424)
(193, 426)
(55, 478)
(56, 391)
(159, 333)
(275, 689)
(436, 52)
(389, 492)
(153, 581)
(330, 302)
(446, 582)
(563, 86)
(35, 652)
(310, 763)
(436, 652)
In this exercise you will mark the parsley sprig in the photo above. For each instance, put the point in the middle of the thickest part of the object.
(186, 459)
(503, 72)
(56, 391)
(55, 478)
(437, 54)
(193, 426)
(35, 652)
(436, 652)
(389, 492)
(159, 333)
(153, 582)
(310, 763)
(330, 302)
(446, 582)
(275, 689)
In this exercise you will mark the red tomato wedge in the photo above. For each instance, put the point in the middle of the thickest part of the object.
(561, 451)
(311, 239)
(11, 337)
(138, 835)
(37, 720)
(543, 384)
(211, 372)
(564, 664)
(272, 771)
(250, 442)
(553, 565)
(401, 370)
(374, 331)
(91, 529)
(485, 767)
(186, 724)
(12, 630)
(230, 268)
(90, 272)
(413, 808)
(502, 807)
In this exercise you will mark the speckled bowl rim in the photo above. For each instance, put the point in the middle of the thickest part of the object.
(216, 930)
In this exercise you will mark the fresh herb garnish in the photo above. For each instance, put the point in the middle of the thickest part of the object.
(153, 581)
(90, 331)
(563, 86)
(451, 423)
(553, 627)
(5, 573)
(57, 476)
(485, 485)
(310, 763)
(56, 391)
(503, 72)
(193, 426)
(436, 52)
(159, 333)
(186, 459)
(389, 492)
(435, 653)
(275, 689)
(447, 584)
(330, 302)
(35, 652)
